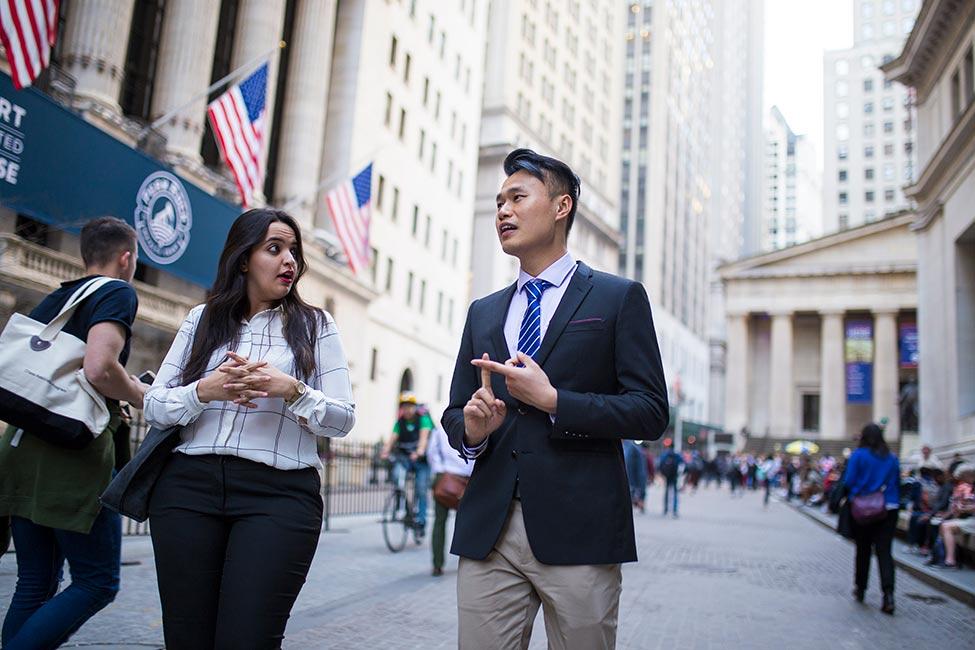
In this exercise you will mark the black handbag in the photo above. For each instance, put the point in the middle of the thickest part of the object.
(129, 492)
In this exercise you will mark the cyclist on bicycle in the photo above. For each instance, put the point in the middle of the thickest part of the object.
(407, 448)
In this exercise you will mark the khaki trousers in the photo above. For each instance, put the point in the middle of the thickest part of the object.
(498, 597)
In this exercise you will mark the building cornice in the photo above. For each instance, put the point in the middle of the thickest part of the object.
(890, 268)
(938, 27)
(958, 145)
(745, 265)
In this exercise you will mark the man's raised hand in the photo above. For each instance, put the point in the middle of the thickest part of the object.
(526, 382)
(484, 413)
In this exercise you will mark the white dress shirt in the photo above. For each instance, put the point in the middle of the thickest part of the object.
(273, 433)
(558, 275)
(443, 458)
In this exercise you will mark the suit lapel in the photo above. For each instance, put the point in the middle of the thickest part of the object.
(499, 313)
(579, 286)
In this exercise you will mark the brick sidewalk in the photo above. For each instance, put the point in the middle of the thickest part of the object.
(728, 574)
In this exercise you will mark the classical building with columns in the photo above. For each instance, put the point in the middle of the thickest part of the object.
(393, 82)
(938, 63)
(822, 336)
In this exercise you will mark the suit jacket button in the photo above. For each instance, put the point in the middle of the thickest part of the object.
(522, 410)
(514, 454)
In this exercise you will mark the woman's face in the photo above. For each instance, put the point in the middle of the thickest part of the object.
(272, 266)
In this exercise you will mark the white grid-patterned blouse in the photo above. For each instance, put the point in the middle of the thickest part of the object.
(274, 433)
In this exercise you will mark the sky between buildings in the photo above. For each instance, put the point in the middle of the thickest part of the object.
(797, 32)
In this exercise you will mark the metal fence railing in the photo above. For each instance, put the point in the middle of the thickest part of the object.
(355, 480)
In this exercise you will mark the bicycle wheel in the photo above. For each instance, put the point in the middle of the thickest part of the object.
(394, 526)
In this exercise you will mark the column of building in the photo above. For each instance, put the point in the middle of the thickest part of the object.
(304, 108)
(832, 377)
(186, 46)
(96, 37)
(258, 31)
(781, 392)
(736, 374)
(885, 377)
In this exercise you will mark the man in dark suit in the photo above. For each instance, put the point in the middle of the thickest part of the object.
(553, 372)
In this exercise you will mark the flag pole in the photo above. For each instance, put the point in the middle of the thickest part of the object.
(206, 93)
(327, 181)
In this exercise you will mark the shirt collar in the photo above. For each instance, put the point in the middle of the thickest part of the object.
(556, 274)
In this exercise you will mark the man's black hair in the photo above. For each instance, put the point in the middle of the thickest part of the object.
(555, 174)
(103, 238)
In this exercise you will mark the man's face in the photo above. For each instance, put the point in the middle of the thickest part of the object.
(527, 215)
(409, 410)
(926, 451)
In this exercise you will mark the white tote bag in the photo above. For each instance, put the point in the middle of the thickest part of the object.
(43, 388)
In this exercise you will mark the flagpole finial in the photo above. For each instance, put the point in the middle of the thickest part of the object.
(282, 44)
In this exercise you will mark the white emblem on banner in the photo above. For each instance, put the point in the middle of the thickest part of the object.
(163, 217)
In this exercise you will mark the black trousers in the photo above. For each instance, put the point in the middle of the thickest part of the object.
(233, 541)
(878, 537)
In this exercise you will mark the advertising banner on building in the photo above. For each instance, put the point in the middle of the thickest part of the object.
(58, 169)
(908, 344)
(858, 352)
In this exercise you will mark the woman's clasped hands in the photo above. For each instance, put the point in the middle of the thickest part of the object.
(241, 381)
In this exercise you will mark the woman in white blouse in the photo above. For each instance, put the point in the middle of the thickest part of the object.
(254, 375)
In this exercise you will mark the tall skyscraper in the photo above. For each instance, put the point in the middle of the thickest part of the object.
(792, 212)
(736, 137)
(552, 84)
(406, 95)
(869, 130)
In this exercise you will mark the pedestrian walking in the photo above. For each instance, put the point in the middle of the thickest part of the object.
(253, 376)
(450, 474)
(636, 473)
(546, 517)
(669, 464)
(872, 480)
(51, 492)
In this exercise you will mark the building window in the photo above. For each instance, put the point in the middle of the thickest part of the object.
(842, 175)
(868, 85)
(426, 91)
(843, 198)
(844, 221)
(970, 73)
(394, 212)
(868, 130)
(389, 274)
(868, 151)
(380, 191)
(426, 232)
(409, 288)
(423, 295)
(956, 103)
(842, 89)
(810, 412)
(416, 220)
(888, 127)
(374, 364)
(868, 196)
(406, 68)
(388, 115)
(868, 173)
(842, 67)
(842, 151)
(393, 45)
(423, 142)
(888, 171)
(888, 150)
(402, 123)
(868, 107)
(889, 195)
(33, 231)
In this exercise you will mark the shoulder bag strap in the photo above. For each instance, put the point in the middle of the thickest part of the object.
(79, 296)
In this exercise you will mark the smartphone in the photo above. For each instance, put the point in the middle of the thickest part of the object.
(147, 377)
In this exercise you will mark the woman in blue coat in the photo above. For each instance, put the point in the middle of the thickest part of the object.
(873, 468)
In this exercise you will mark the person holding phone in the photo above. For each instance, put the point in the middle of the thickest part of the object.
(254, 375)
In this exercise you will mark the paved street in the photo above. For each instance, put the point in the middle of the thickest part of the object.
(727, 574)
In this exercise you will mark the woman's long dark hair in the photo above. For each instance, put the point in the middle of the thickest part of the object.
(227, 302)
(872, 437)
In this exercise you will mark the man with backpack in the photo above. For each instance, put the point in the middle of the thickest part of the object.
(669, 465)
(51, 492)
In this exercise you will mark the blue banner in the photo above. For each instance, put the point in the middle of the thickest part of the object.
(858, 352)
(909, 349)
(57, 168)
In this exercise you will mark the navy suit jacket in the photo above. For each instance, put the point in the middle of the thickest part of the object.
(600, 353)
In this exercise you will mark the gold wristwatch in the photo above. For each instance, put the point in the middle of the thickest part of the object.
(300, 389)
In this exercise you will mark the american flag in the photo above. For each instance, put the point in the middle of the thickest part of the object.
(28, 29)
(349, 205)
(237, 118)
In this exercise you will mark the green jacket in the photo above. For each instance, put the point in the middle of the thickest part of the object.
(53, 486)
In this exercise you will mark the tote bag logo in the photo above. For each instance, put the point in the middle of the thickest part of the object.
(163, 217)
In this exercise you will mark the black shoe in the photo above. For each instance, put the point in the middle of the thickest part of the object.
(888, 606)
(858, 594)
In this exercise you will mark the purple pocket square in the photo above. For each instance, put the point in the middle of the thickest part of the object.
(585, 320)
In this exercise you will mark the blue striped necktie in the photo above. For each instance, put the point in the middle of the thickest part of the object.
(530, 335)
